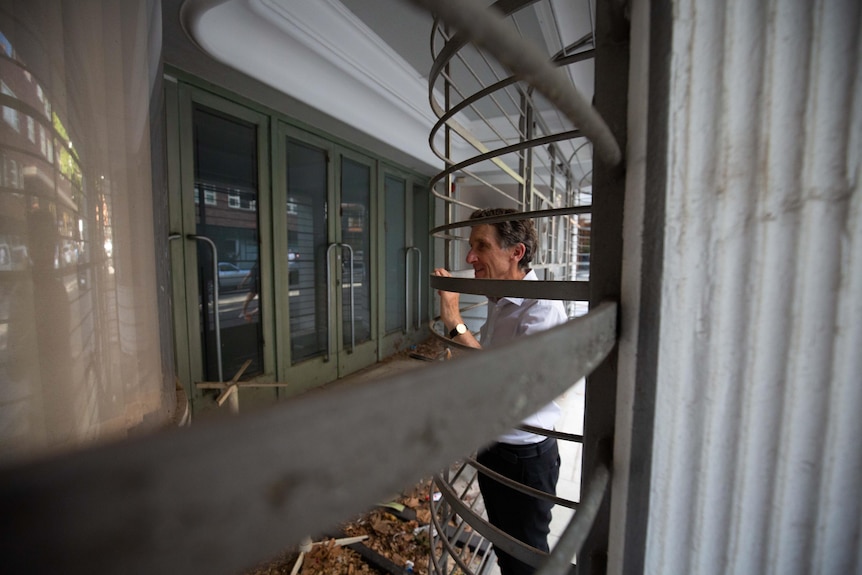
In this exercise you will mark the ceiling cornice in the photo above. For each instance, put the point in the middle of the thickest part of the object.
(321, 54)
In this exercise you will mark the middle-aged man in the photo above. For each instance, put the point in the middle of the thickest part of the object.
(504, 251)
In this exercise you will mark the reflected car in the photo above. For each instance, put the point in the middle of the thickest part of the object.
(293, 268)
(230, 276)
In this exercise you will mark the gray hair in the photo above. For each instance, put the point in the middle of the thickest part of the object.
(513, 232)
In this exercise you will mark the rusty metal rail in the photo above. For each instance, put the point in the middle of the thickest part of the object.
(222, 496)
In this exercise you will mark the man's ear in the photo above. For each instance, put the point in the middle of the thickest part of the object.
(518, 251)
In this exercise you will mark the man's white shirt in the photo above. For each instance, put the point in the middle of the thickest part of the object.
(510, 318)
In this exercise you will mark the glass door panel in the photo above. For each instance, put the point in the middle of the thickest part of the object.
(404, 238)
(419, 294)
(331, 295)
(395, 254)
(226, 229)
(307, 242)
(355, 253)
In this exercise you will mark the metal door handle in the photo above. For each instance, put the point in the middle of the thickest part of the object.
(418, 323)
(329, 297)
(215, 296)
(352, 308)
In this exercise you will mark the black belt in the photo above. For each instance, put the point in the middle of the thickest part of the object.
(510, 450)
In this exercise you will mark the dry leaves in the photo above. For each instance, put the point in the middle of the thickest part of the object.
(394, 534)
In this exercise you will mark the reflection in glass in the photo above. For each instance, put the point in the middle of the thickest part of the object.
(306, 250)
(47, 310)
(395, 189)
(225, 196)
(78, 348)
(355, 210)
(421, 233)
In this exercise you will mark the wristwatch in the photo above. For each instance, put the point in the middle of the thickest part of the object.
(459, 329)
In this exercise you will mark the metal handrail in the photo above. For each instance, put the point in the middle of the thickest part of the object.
(520, 487)
(539, 289)
(418, 323)
(329, 298)
(573, 537)
(489, 30)
(527, 144)
(559, 560)
(342, 245)
(153, 490)
(470, 100)
(502, 540)
(352, 304)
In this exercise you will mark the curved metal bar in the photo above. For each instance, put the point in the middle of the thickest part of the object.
(520, 487)
(585, 40)
(215, 298)
(296, 488)
(342, 245)
(505, 82)
(476, 177)
(502, 540)
(450, 549)
(460, 39)
(488, 29)
(352, 306)
(418, 323)
(552, 433)
(571, 134)
(329, 299)
(457, 128)
(407, 289)
(418, 288)
(455, 201)
(540, 289)
(573, 537)
(511, 217)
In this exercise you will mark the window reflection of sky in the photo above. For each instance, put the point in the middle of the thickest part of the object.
(6, 45)
(42, 249)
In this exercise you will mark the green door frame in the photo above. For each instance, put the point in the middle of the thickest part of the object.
(340, 360)
(414, 329)
(181, 99)
(182, 93)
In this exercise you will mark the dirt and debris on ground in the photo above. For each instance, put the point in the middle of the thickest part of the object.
(399, 533)
(397, 530)
(431, 349)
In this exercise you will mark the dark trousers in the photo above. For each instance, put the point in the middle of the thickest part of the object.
(520, 515)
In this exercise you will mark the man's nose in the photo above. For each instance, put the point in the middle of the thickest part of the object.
(471, 257)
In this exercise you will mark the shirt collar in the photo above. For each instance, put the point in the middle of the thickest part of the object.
(531, 276)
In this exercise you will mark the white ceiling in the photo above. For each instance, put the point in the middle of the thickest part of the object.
(366, 62)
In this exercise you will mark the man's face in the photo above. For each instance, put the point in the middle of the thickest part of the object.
(489, 260)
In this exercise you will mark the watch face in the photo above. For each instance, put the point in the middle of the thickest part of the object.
(461, 328)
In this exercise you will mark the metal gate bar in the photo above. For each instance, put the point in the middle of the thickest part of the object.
(221, 496)
(550, 202)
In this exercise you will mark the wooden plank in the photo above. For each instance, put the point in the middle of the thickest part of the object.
(231, 388)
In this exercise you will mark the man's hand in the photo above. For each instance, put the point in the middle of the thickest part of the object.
(449, 302)
(450, 311)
